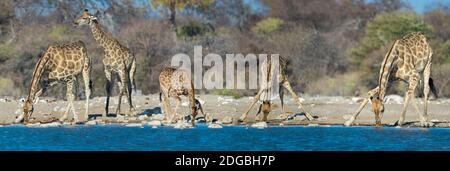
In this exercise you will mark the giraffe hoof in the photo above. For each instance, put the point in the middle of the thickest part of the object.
(398, 123)
(62, 119)
(348, 123)
(241, 119)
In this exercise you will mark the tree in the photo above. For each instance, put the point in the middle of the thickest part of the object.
(385, 28)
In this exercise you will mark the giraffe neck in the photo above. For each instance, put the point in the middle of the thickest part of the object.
(37, 73)
(386, 69)
(100, 36)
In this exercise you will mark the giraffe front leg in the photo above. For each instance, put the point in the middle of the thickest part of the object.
(166, 108)
(70, 97)
(121, 91)
(426, 90)
(175, 115)
(281, 92)
(350, 121)
(287, 85)
(87, 89)
(244, 115)
(371, 93)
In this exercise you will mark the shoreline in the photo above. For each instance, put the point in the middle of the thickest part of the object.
(226, 110)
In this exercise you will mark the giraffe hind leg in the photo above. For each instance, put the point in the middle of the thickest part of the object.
(109, 86)
(413, 81)
(126, 88)
(132, 74)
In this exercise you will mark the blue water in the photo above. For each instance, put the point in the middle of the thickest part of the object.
(118, 138)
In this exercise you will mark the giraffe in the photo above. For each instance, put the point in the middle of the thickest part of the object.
(264, 108)
(407, 58)
(174, 83)
(118, 59)
(267, 84)
(59, 64)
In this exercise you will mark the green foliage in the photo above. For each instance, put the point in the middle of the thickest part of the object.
(181, 4)
(339, 85)
(227, 92)
(385, 28)
(7, 86)
(57, 32)
(446, 52)
(6, 51)
(268, 25)
(193, 29)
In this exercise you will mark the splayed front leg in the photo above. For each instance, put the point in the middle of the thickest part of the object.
(256, 98)
(370, 94)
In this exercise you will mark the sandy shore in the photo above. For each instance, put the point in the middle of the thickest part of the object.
(329, 110)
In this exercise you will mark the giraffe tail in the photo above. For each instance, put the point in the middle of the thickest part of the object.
(160, 98)
(433, 87)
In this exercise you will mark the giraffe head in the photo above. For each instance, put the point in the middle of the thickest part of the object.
(27, 110)
(85, 18)
(195, 108)
(378, 109)
(265, 109)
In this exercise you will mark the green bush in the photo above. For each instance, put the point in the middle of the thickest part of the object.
(339, 85)
(7, 87)
(6, 51)
(57, 32)
(446, 53)
(385, 28)
(194, 28)
(268, 25)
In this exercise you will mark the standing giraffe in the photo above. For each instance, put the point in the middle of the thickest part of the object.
(268, 67)
(406, 60)
(118, 59)
(174, 83)
(60, 64)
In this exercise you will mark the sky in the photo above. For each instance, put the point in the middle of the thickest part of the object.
(422, 5)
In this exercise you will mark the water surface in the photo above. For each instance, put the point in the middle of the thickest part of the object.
(288, 138)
